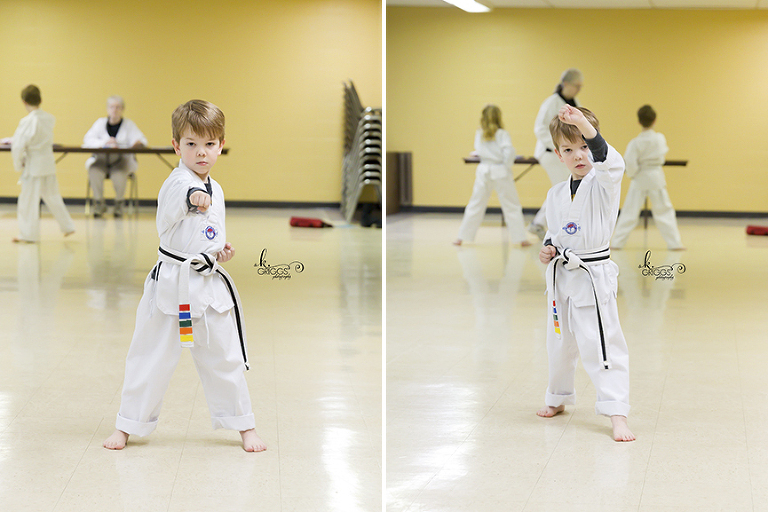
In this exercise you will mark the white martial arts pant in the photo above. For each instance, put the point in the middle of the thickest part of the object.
(661, 208)
(154, 353)
(580, 336)
(510, 206)
(28, 206)
(557, 172)
(118, 167)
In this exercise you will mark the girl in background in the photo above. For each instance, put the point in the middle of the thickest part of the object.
(497, 155)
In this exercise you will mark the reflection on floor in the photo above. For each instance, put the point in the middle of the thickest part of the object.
(315, 348)
(467, 369)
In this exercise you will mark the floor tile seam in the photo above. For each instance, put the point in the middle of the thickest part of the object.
(50, 376)
(549, 459)
(80, 460)
(277, 424)
(744, 415)
(183, 445)
(653, 437)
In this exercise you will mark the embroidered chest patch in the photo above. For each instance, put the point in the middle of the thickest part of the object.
(210, 232)
(571, 228)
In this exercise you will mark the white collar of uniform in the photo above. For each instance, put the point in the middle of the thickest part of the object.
(185, 168)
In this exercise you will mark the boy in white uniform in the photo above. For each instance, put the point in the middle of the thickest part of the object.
(188, 299)
(645, 157)
(32, 152)
(581, 278)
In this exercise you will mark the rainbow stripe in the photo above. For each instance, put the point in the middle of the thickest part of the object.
(185, 325)
(554, 314)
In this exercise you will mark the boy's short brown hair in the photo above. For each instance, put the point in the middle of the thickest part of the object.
(31, 95)
(562, 132)
(203, 118)
(646, 115)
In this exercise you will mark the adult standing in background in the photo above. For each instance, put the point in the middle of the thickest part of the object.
(112, 131)
(565, 93)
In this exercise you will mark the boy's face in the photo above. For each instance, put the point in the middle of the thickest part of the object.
(575, 155)
(199, 153)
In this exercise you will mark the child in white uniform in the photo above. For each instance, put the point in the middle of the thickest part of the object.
(581, 278)
(494, 146)
(32, 152)
(645, 157)
(188, 299)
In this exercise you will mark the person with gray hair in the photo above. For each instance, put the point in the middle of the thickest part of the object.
(113, 131)
(565, 94)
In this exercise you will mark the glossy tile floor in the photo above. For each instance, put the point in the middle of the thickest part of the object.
(467, 369)
(315, 348)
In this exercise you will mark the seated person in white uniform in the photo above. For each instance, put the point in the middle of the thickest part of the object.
(113, 131)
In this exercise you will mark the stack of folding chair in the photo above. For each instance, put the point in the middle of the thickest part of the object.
(362, 152)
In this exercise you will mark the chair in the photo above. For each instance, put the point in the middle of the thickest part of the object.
(133, 194)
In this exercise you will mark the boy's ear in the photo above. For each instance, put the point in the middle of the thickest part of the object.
(557, 152)
(176, 147)
(221, 146)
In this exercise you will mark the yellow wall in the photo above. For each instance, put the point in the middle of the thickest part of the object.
(705, 73)
(275, 69)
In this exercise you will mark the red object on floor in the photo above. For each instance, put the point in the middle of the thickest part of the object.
(308, 222)
(757, 230)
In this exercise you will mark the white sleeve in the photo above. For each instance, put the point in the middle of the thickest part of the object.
(547, 112)
(22, 136)
(97, 136)
(610, 171)
(631, 159)
(507, 150)
(663, 144)
(136, 135)
(172, 203)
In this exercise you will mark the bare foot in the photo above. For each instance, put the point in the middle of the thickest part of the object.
(457, 241)
(18, 240)
(69, 233)
(679, 249)
(252, 442)
(525, 243)
(116, 441)
(621, 430)
(548, 412)
(616, 248)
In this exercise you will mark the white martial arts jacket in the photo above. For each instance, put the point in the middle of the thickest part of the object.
(547, 112)
(496, 156)
(128, 135)
(32, 145)
(586, 224)
(190, 232)
(645, 158)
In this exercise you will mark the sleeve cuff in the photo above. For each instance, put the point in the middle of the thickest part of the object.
(598, 147)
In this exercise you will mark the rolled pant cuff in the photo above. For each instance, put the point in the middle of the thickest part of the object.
(612, 408)
(137, 428)
(558, 400)
(239, 423)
